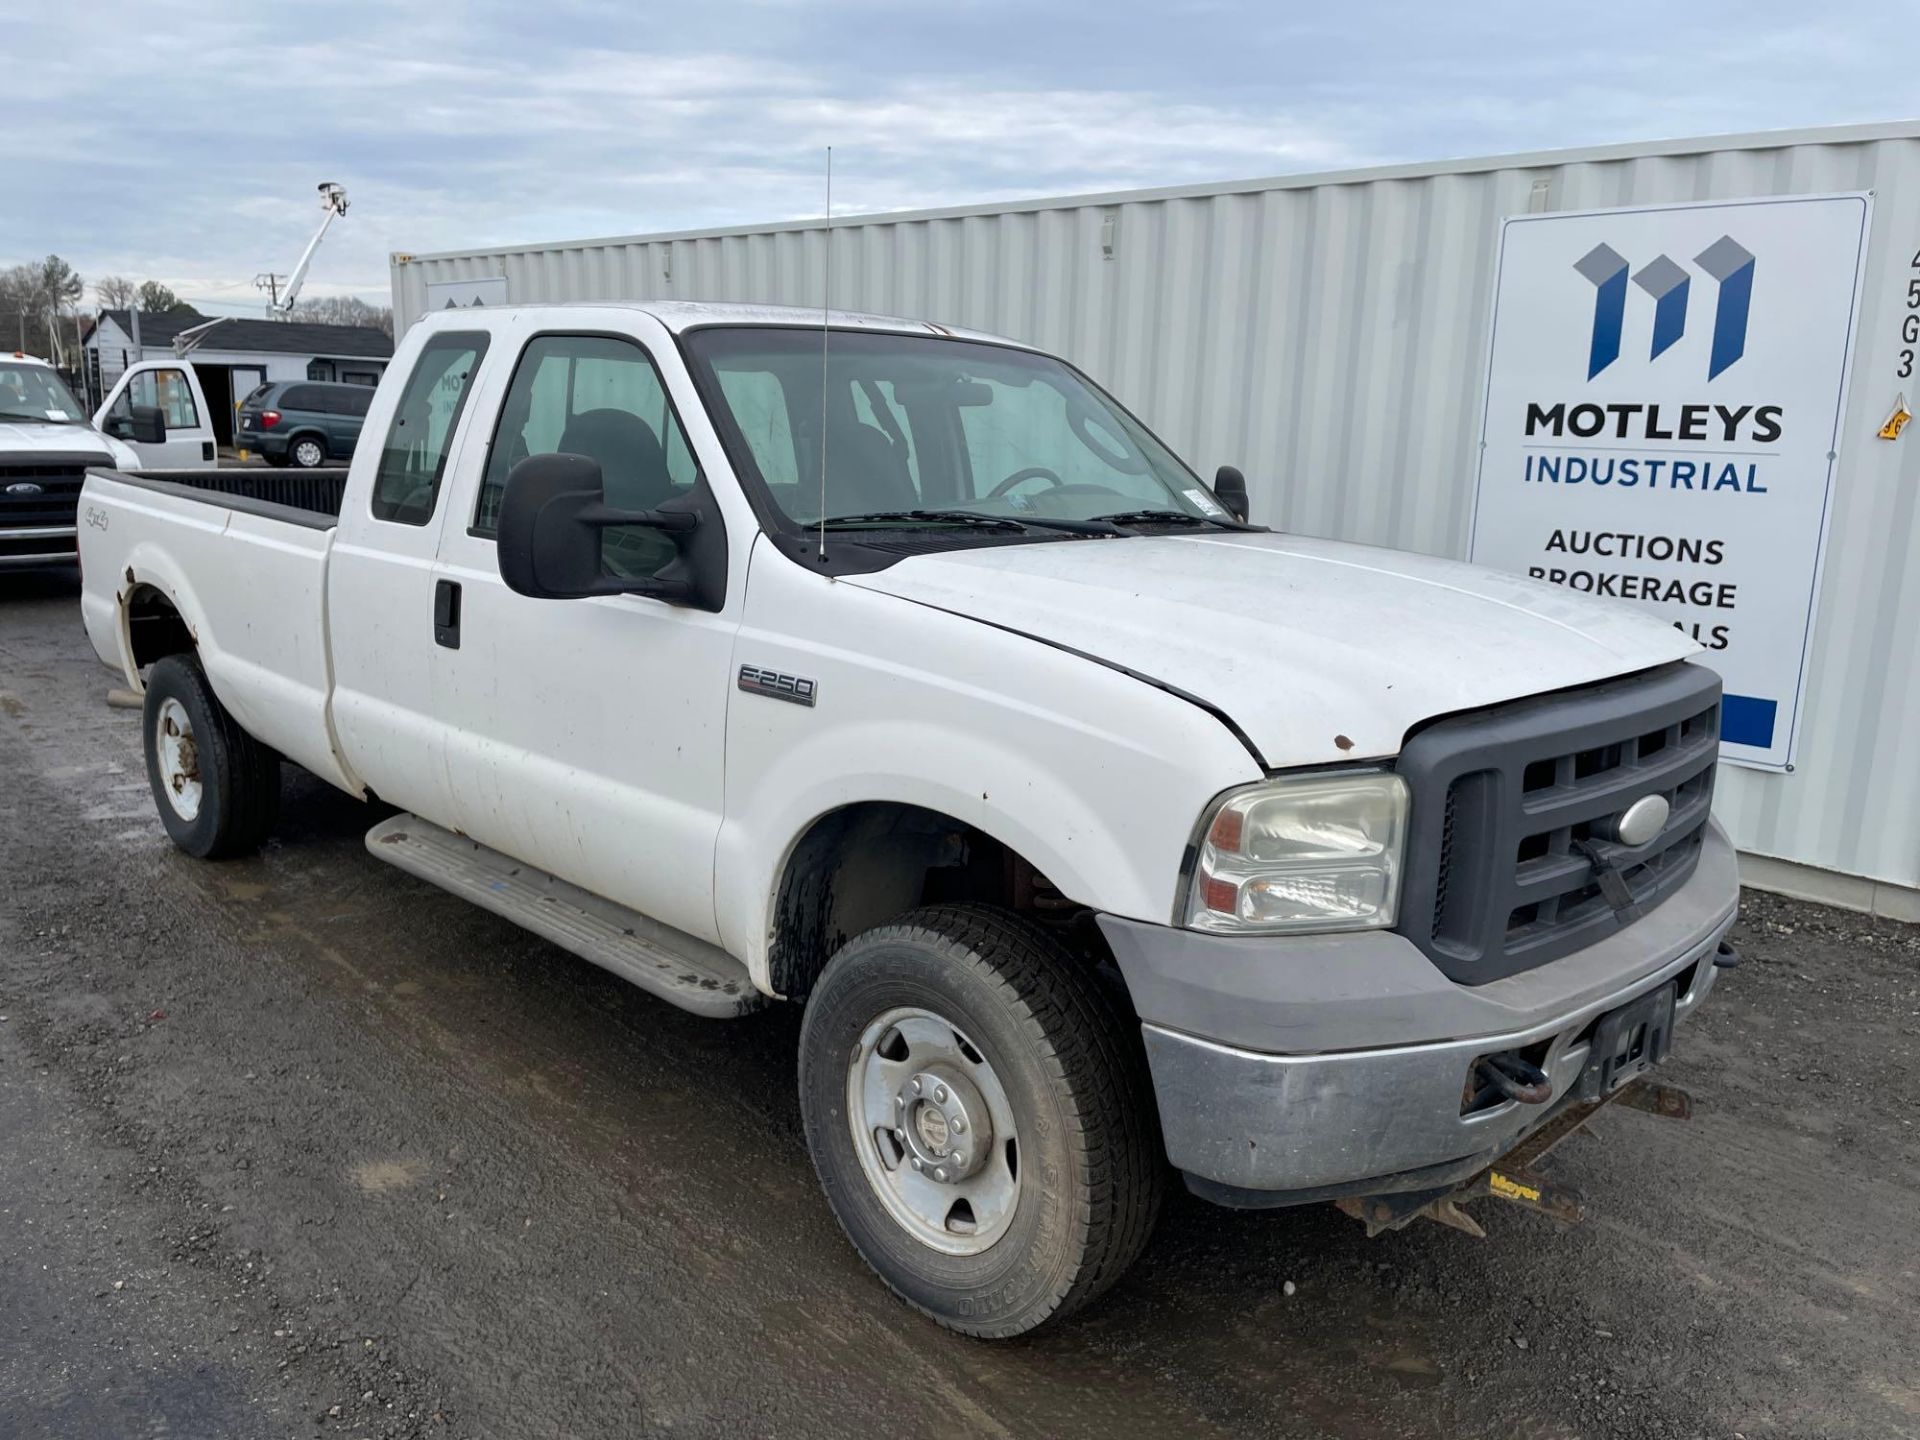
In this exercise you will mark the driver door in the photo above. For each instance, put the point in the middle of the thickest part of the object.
(171, 387)
(591, 734)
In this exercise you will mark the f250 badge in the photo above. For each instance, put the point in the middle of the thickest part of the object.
(794, 689)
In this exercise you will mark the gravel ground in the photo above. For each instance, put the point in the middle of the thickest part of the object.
(298, 1146)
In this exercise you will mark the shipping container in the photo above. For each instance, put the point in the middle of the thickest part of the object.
(1330, 334)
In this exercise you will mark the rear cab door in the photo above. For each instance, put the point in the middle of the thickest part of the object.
(173, 388)
(380, 580)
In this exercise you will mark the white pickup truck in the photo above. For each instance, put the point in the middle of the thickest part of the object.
(900, 672)
(47, 445)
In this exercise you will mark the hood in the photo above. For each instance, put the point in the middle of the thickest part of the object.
(1319, 651)
(34, 437)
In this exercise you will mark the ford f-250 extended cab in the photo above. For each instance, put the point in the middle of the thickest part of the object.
(900, 672)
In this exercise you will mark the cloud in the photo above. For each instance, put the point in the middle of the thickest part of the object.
(189, 150)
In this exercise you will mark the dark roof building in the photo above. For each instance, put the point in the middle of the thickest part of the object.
(276, 337)
(236, 357)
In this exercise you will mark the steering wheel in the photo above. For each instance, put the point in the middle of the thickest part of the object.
(1020, 477)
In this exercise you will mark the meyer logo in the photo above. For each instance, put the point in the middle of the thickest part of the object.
(24, 488)
(1726, 262)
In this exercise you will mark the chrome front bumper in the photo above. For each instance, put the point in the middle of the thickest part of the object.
(1350, 1118)
(22, 547)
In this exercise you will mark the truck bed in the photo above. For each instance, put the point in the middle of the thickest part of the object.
(241, 556)
(301, 497)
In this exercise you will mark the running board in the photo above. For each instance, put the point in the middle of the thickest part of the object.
(663, 961)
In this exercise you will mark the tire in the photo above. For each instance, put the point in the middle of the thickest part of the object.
(308, 452)
(216, 787)
(1086, 1163)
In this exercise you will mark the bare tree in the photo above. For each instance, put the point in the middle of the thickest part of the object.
(37, 305)
(114, 292)
(344, 310)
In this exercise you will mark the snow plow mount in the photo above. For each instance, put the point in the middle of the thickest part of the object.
(1514, 1177)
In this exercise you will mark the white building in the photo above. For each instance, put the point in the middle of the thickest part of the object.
(238, 356)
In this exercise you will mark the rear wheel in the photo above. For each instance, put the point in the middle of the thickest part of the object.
(308, 451)
(216, 787)
(979, 1118)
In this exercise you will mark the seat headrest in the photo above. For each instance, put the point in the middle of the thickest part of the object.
(633, 467)
(865, 472)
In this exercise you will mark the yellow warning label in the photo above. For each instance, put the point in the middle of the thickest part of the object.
(1510, 1189)
(1897, 421)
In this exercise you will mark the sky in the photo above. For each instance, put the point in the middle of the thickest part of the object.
(183, 142)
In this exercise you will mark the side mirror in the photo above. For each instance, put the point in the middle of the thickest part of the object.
(1231, 486)
(551, 514)
(147, 425)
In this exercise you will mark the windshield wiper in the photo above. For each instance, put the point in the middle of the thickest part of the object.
(41, 419)
(1159, 517)
(923, 517)
(975, 519)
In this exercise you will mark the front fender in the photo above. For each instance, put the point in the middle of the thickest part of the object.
(1094, 777)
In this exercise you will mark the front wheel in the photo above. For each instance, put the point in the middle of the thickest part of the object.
(216, 787)
(980, 1118)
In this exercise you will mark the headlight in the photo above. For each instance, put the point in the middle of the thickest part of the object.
(1321, 852)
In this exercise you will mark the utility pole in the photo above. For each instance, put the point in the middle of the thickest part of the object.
(270, 283)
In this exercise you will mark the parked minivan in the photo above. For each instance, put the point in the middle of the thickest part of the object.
(303, 422)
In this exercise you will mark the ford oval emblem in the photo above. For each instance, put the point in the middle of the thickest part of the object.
(1642, 820)
(24, 487)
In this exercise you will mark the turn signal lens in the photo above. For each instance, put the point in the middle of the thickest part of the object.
(1316, 852)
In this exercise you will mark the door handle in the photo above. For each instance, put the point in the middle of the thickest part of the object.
(446, 613)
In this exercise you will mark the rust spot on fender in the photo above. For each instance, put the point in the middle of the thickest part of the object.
(1342, 742)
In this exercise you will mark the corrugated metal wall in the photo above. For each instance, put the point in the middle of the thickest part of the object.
(1329, 333)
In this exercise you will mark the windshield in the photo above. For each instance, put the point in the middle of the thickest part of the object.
(921, 423)
(34, 392)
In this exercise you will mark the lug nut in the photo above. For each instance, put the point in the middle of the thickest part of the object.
(940, 1175)
(916, 1163)
(940, 1094)
(916, 1085)
(959, 1123)
(959, 1157)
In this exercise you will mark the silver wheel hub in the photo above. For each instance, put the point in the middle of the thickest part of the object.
(945, 1125)
(179, 759)
(934, 1131)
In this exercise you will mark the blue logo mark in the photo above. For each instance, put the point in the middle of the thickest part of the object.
(1725, 262)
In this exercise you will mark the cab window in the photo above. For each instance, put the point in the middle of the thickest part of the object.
(406, 485)
(598, 396)
(169, 390)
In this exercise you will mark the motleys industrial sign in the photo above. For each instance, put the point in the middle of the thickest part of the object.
(1663, 403)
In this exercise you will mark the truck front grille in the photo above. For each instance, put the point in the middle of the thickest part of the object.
(42, 491)
(1510, 806)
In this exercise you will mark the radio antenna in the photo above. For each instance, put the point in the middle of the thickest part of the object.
(826, 307)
